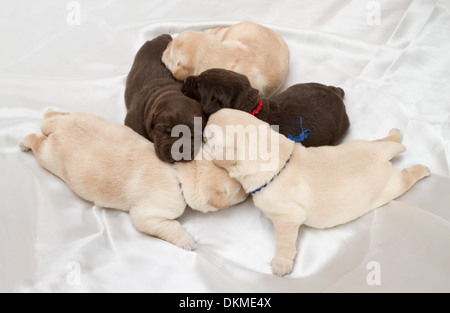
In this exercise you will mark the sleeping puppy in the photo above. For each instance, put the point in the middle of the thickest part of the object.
(156, 104)
(320, 107)
(112, 166)
(247, 48)
(318, 187)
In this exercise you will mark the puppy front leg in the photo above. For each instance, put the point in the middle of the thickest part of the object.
(286, 234)
(167, 229)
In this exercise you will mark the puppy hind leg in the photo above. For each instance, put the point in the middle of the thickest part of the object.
(161, 227)
(394, 135)
(33, 142)
(49, 124)
(390, 146)
(412, 175)
(401, 182)
(388, 149)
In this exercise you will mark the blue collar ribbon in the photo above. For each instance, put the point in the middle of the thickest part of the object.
(265, 185)
(302, 136)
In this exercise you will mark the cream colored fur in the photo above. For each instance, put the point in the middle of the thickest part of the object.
(247, 48)
(319, 187)
(112, 166)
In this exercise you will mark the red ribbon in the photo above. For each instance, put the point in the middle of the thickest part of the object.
(258, 109)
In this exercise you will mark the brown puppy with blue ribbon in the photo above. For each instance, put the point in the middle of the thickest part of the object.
(320, 107)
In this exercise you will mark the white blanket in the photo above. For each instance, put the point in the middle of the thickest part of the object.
(391, 58)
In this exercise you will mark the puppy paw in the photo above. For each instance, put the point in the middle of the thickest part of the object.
(281, 266)
(187, 242)
(396, 135)
(24, 147)
(425, 171)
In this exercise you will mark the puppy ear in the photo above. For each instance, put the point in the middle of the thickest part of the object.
(214, 100)
(209, 102)
(163, 145)
(190, 88)
(180, 70)
(219, 200)
(149, 125)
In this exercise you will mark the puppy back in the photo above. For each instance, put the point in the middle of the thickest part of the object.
(147, 67)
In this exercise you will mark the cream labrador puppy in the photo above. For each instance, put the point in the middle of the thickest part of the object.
(319, 187)
(247, 48)
(112, 166)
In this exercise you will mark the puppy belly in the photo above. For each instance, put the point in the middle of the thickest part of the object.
(338, 218)
(346, 210)
(100, 196)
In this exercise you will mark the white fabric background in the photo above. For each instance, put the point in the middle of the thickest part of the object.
(396, 74)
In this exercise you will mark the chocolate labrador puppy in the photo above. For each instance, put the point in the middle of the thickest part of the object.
(156, 104)
(320, 107)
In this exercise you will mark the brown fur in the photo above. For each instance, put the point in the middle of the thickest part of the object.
(155, 102)
(320, 107)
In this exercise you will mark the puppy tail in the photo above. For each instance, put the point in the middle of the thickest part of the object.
(338, 90)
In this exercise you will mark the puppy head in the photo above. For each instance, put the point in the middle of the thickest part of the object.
(175, 126)
(179, 55)
(216, 89)
(246, 147)
(214, 189)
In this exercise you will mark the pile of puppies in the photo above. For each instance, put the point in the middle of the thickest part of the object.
(229, 77)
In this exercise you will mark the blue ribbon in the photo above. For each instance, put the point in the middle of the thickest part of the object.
(302, 136)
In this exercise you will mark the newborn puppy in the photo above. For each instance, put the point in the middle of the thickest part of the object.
(247, 48)
(320, 107)
(318, 187)
(112, 166)
(156, 104)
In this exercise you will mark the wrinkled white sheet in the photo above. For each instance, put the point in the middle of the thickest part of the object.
(395, 74)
